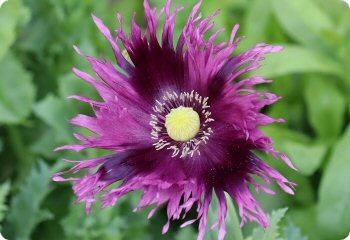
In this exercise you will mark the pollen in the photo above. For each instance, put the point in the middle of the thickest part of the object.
(182, 123)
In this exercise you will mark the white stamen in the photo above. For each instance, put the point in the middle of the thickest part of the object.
(172, 133)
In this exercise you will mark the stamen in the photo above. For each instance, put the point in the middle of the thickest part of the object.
(180, 123)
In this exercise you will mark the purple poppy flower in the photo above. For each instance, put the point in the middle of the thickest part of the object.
(180, 123)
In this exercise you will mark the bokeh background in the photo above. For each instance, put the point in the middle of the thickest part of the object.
(312, 74)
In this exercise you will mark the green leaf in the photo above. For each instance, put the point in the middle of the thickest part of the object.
(326, 107)
(256, 30)
(306, 193)
(303, 151)
(296, 59)
(306, 157)
(17, 91)
(186, 233)
(111, 223)
(272, 232)
(4, 191)
(25, 209)
(292, 232)
(45, 144)
(334, 9)
(281, 134)
(334, 195)
(98, 225)
(54, 113)
(306, 219)
(12, 15)
(305, 28)
(35, 32)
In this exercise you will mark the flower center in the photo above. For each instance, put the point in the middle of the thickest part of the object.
(182, 123)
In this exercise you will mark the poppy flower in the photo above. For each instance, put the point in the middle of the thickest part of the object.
(181, 125)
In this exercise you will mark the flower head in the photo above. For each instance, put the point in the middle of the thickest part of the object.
(183, 125)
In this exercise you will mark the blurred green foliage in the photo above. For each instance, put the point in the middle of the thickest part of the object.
(312, 74)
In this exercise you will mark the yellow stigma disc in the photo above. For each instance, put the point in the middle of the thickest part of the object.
(182, 123)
